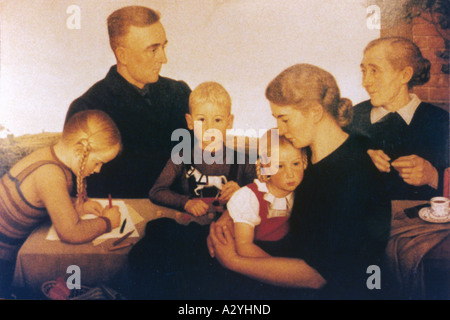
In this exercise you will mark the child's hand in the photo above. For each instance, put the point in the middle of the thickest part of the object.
(196, 207)
(228, 189)
(113, 214)
(92, 207)
(79, 207)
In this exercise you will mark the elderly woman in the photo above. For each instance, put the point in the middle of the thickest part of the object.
(409, 137)
(340, 222)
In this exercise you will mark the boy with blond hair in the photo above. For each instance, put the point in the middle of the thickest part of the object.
(191, 186)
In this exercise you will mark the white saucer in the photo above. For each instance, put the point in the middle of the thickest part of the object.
(425, 214)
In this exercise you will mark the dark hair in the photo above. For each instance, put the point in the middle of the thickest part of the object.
(120, 21)
(405, 53)
(302, 83)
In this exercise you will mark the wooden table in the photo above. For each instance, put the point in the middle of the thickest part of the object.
(40, 260)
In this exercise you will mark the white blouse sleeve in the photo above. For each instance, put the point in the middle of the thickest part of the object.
(244, 207)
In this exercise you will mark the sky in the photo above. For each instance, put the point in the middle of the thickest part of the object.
(52, 51)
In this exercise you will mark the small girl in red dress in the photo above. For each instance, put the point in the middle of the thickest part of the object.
(260, 210)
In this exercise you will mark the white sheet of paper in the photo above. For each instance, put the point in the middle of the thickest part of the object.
(115, 233)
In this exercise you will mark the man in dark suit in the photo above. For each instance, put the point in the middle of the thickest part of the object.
(146, 107)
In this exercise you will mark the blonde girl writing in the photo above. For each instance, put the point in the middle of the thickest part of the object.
(39, 186)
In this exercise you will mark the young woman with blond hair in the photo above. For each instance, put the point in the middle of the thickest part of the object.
(340, 222)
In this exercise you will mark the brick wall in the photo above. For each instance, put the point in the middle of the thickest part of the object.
(428, 39)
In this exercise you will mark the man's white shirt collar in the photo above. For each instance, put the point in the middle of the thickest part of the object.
(406, 112)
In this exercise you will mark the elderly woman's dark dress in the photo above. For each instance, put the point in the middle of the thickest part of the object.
(425, 136)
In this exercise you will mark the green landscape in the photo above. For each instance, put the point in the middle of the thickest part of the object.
(12, 149)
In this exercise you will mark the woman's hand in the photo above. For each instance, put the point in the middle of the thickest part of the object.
(196, 207)
(92, 207)
(224, 220)
(223, 245)
(113, 214)
(380, 159)
(228, 189)
(416, 171)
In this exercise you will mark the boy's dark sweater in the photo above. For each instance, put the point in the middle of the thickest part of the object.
(172, 189)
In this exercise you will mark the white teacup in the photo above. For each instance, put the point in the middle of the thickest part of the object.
(440, 207)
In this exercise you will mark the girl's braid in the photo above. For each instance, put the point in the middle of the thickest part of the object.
(81, 183)
(261, 177)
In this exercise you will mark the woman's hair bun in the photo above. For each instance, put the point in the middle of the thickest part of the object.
(421, 73)
(345, 112)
